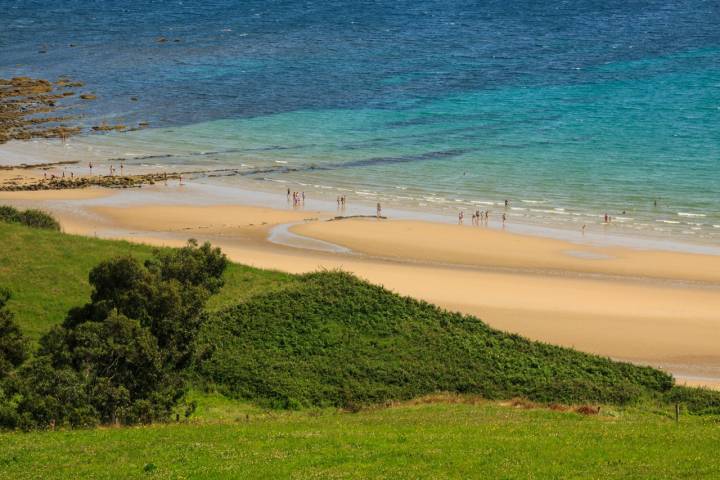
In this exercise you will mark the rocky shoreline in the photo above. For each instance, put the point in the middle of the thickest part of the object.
(28, 107)
(124, 181)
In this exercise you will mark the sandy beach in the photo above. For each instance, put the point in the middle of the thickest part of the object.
(651, 307)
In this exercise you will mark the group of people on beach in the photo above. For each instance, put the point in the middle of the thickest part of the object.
(298, 198)
(480, 217)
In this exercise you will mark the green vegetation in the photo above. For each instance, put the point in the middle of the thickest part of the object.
(47, 274)
(333, 340)
(13, 346)
(125, 351)
(122, 357)
(31, 218)
(447, 438)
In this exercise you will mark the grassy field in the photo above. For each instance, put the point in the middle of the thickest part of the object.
(47, 274)
(443, 436)
(412, 440)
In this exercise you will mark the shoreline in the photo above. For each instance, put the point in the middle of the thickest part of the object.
(74, 155)
(651, 307)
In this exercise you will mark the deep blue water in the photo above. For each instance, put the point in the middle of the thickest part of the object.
(569, 109)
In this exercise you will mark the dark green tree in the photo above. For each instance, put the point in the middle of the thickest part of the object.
(167, 294)
(13, 346)
(121, 357)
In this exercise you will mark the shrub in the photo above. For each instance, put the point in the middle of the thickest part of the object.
(699, 401)
(30, 218)
(332, 339)
(120, 358)
(13, 346)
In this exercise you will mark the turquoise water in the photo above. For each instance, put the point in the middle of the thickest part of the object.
(568, 111)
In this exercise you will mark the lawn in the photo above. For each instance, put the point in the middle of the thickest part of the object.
(441, 439)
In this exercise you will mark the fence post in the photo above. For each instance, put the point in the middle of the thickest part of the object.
(677, 412)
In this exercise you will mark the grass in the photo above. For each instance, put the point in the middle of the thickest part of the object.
(456, 439)
(47, 274)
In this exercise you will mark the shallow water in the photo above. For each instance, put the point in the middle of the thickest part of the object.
(569, 110)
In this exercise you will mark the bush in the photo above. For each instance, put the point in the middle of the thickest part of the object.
(334, 340)
(30, 218)
(700, 401)
(13, 346)
(121, 357)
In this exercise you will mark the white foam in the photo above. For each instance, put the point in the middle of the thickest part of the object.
(686, 214)
(668, 221)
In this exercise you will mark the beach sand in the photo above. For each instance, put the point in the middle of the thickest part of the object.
(656, 308)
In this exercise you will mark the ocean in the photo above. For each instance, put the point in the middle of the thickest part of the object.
(569, 110)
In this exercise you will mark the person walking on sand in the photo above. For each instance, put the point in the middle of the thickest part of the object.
(461, 216)
(504, 218)
(583, 229)
(303, 198)
(379, 210)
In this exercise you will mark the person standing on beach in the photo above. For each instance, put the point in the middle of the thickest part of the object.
(90, 165)
(507, 203)
(583, 229)
(303, 198)
(504, 218)
(461, 216)
(379, 210)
